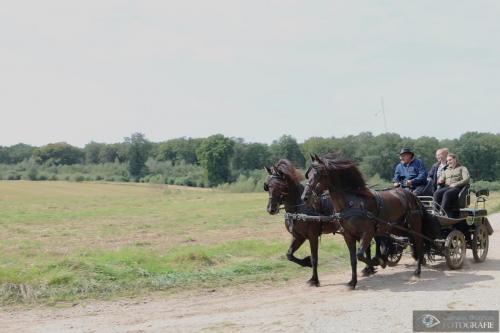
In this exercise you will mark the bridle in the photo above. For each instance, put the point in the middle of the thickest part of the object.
(321, 173)
(283, 194)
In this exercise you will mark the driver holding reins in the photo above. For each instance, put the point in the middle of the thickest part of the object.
(410, 173)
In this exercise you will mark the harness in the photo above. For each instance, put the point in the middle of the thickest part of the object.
(292, 218)
(323, 214)
(356, 207)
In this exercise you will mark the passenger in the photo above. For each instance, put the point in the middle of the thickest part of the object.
(436, 171)
(452, 180)
(410, 173)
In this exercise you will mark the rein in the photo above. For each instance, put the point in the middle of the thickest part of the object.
(393, 225)
(339, 217)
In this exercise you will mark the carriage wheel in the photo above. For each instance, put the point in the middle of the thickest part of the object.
(392, 258)
(454, 249)
(480, 242)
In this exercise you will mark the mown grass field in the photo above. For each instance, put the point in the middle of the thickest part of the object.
(62, 241)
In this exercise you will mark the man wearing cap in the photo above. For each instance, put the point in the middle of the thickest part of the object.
(410, 173)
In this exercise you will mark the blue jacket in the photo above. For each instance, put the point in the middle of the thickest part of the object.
(414, 171)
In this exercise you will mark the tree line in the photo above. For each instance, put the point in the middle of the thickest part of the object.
(219, 159)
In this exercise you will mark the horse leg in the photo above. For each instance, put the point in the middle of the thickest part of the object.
(351, 244)
(364, 244)
(381, 258)
(419, 254)
(297, 241)
(369, 269)
(313, 242)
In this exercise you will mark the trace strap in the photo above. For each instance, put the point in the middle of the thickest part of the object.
(337, 217)
(311, 218)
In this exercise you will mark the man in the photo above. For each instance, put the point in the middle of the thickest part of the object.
(436, 170)
(410, 173)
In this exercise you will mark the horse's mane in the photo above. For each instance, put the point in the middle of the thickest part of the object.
(345, 173)
(287, 168)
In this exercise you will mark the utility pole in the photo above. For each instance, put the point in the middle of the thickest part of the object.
(382, 110)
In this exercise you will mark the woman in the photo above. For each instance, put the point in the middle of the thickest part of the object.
(452, 180)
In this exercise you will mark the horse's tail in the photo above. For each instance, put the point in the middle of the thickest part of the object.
(431, 228)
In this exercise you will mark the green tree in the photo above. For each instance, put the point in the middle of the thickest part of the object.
(180, 149)
(109, 153)
(480, 154)
(16, 153)
(214, 154)
(92, 152)
(4, 155)
(320, 146)
(138, 153)
(122, 152)
(425, 148)
(380, 155)
(355, 147)
(167, 151)
(287, 147)
(250, 156)
(60, 153)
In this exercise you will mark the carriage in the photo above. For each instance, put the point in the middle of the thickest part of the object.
(395, 218)
(467, 228)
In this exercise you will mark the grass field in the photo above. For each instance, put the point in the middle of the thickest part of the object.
(62, 241)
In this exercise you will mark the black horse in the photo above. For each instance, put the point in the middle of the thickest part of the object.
(353, 199)
(284, 187)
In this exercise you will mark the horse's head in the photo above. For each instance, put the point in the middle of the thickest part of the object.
(277, 186)
(317, 178)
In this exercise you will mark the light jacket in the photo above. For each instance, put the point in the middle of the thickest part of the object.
(458, 175)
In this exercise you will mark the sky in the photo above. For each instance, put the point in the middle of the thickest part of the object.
(81, 71)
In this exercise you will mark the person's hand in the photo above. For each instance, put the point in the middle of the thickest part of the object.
(396, 184)
(408, 183)
(453, 185)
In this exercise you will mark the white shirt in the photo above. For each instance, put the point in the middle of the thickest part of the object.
(440, 169)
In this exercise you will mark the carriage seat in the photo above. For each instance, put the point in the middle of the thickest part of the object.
(459, 207)
(480, 198)
(464, 197)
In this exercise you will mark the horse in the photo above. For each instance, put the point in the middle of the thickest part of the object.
(351, 198)
(284, 187)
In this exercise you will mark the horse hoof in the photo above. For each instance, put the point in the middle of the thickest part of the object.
(313, 283)
(414, 279)
(416, 273)
(352, 284)
(382, 262)
(368, 271)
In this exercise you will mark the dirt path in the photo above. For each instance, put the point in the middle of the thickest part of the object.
(383, 302)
